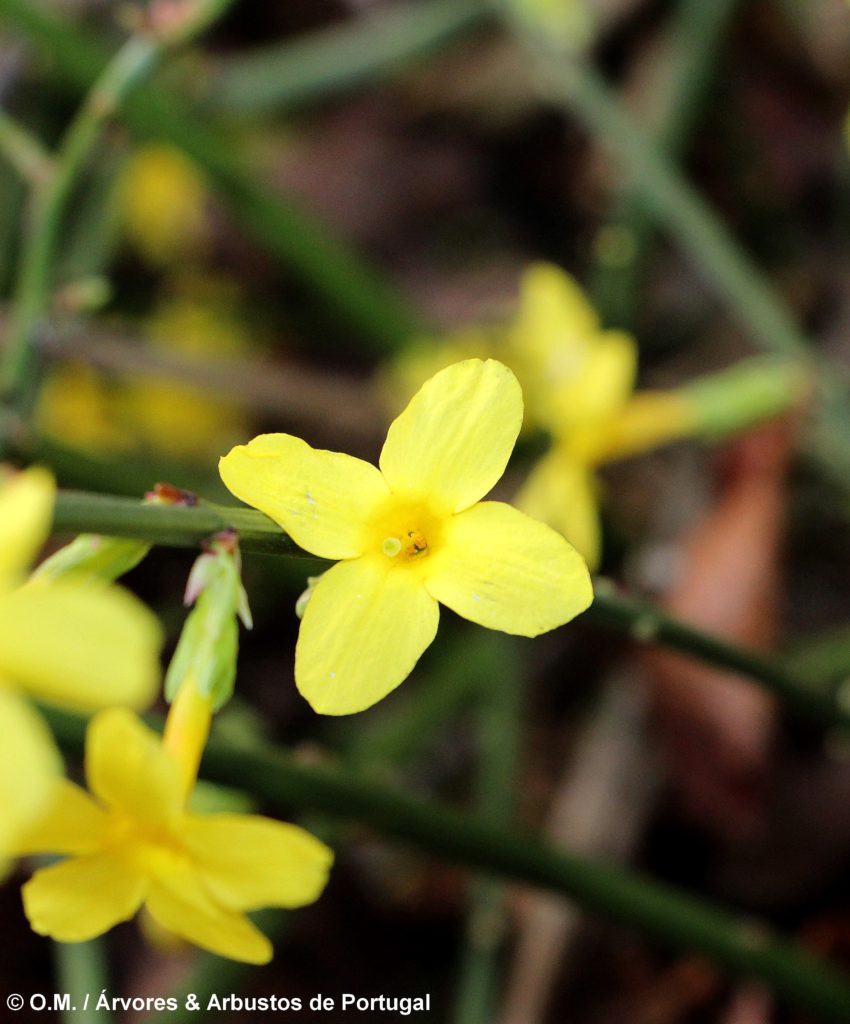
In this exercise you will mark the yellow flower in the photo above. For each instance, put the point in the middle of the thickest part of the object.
(581, 380)
(410, 535)
(574, 373)
(76, 643)
(107, 413)
(163, 200)
(135, 844)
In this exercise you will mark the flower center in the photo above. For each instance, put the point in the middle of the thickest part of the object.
(412, 544)
(404, 532)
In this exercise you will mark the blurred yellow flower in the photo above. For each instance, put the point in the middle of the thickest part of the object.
(135, 844)
(574, 373)
(163, 203)
(410, 535)
(155, 413)
(76, 643)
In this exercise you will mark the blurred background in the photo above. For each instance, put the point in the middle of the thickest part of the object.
(295, 222)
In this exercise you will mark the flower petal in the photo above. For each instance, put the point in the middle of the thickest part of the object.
(82, 897)
(80, 644)
(363, 631)
(29, 764)
(605, 383)
(127, 768)
(320, 498)
(26, 510)
(455, 437)
(248, 862)
(179, 903)
(561, 492)
(70, 823)
(503, 570)
(554, 311)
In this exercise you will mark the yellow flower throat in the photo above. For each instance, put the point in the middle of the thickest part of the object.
(404, 531)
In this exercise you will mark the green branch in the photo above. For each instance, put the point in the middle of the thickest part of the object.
(648, 624)
(174, 526)
(321, 64)
(50, 198)
(136, 59)
(574, 84)
(23, 151)
(661, 912)
(178, 526)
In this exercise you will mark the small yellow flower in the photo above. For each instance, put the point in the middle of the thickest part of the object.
(410, 535)
(163, 204)
(574, 373)
(135, 844)
(76, 643)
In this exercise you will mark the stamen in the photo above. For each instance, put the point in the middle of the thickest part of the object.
(391, 547)
(418, 544)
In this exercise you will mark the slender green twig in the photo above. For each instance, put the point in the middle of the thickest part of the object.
(169, 525)
(573, 83)
(174, 526)
(314, 67)
(81, 971)
(134, 61)
(661, 912)
(50, 198)
(694, 38)
(648, 624)
(23, 151)
(499, 727)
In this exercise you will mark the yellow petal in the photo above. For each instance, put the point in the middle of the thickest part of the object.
(80, 644)
(82, 897)
(554, 311)
(561, 491)
(128, 769)
(607, 379)
(179, 903)
(248, 862)
(363, 631)
(26, 511)
(647, 420)
(503, 570)
(454, 439)
(29, 764)
(70, 823)
(319, 498)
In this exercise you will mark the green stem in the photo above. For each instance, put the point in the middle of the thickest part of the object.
(178, 526)
(577, 86)
(322, 64)
(648, 624)
(23, 151)
(136, 59)
(81, 971)
(659, 911)
(168, 525)
(695, 37)
(495, 798)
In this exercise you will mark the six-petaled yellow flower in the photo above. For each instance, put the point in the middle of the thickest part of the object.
(74, 643)
(410, 535)
(134, 843)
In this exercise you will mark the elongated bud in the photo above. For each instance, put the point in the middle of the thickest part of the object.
(93, 557)
(206, 652)
(745, 394)
(567, 24)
